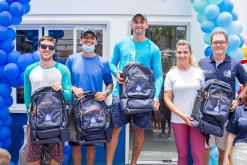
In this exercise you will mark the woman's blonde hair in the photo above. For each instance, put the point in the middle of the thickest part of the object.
(186, 43)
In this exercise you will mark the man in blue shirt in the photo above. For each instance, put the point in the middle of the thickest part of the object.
(225, 68)
(136, 48)
(88, 72)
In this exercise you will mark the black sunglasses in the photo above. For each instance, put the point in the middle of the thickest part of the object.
(50, 47)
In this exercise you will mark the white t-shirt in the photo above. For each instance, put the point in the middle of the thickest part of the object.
(184, 85)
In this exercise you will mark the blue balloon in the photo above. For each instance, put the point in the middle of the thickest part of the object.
(241, 41)
(11, 71)
(207, 38)
(7, 122)
(12, 163)
(24, 1)
(224, 19)
(13, 56)
(16, 20)
(200, 5)
(4, 113)
(36, 56)
(4, 5)
(200, 17)
(208, 51)
(8, 101)
(226, 5)
(220, 29)
(5, 90)
(16, 9)
(7, 143)
(235, 28)
(7, 45)
(26, 7)
(211, 12)
(11, 34)
(234, 41)
(3, 32)
(4, 133)
(1, 124)
(215, 1)
(15, 82)
(10, 1)
(234, 16)
(207, 26)
(21, 78)
(1, 102)
(24, 60)
(237, 53)
(5, 18)
(3, 57)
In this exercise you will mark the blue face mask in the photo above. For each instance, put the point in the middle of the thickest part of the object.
(87, 48)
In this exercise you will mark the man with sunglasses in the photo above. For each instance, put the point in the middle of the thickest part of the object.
(88, 72)
(225, 68)
(45, 73)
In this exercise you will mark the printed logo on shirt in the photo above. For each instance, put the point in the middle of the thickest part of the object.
(227, 73)
(208, 71)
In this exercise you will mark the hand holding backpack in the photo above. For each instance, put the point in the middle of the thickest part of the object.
(137, 90)
(48, 118)
(91, 119)
(212, 107)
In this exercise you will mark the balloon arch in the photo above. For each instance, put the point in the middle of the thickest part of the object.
(212, 15)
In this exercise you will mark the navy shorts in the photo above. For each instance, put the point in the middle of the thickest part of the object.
(119, 119)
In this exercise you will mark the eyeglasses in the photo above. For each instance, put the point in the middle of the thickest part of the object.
(219, 42)
(50, 47)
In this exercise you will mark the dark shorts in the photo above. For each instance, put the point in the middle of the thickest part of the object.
(119, 119)
(71, 143)
(33, 150)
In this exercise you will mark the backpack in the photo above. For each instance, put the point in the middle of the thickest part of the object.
(212, 106)
(91, 120)
(48, 118)
(137, 90)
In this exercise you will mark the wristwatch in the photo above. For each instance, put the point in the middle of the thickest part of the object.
(108, 92)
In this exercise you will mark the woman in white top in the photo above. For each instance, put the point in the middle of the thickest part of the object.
(181, 85)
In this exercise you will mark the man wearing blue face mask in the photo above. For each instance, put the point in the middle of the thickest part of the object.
(88, 72)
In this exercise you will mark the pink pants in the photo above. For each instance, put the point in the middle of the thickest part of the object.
(183, 133)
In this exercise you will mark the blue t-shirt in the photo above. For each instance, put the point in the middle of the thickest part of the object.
(226, 71)
(89, 73)
(237, 124)
(145, 52)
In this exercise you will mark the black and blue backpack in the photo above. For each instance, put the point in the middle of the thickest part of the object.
(212, 107)
(48, 118)
(137, 90)
(91, 120)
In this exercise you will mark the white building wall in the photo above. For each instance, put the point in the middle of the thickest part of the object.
(117, 14)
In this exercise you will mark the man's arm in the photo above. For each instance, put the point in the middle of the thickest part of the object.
(66, 84)
(27, 90)
(114, 61)
(158, 76)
